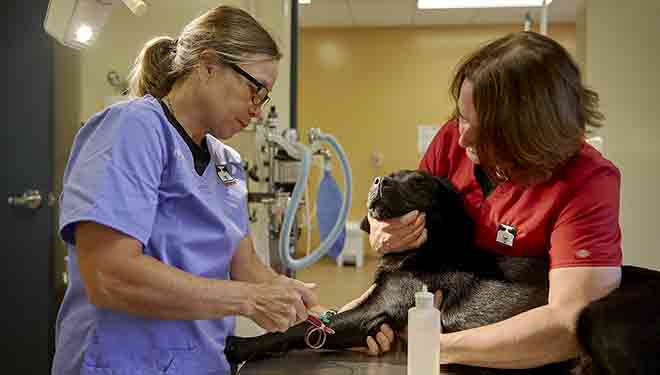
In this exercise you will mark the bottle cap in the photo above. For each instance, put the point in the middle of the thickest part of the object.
(424, 299)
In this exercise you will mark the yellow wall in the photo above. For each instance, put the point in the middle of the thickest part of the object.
(371, 87)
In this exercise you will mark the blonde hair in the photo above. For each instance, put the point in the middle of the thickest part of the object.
(230, 32)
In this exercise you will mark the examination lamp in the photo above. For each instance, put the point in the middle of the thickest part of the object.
(77, 23)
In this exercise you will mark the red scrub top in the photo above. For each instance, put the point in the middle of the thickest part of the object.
(573, 218)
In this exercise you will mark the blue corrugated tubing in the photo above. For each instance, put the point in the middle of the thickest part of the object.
(296, 196)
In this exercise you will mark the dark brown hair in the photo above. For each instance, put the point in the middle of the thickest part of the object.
(532, 108)
(231, 33)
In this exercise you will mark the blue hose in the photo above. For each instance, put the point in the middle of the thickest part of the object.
(296, 196)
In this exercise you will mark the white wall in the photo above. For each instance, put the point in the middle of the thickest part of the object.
(622, 57)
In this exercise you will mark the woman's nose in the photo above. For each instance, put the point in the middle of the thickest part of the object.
(255, 112)
(467, 135)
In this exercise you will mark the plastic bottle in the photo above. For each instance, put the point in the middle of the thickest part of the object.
(272, 120)
(424, 335)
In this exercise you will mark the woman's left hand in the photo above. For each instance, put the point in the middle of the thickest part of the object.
(382, 343)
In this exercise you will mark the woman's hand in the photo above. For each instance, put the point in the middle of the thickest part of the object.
(281, 303)
(382, 343)
(398, 234)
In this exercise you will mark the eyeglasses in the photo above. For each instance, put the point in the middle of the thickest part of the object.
(261, 97)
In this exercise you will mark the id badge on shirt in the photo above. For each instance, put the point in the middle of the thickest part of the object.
(231, 175)
(224, 173)
(506, 234)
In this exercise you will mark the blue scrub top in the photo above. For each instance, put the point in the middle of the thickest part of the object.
(131, 170)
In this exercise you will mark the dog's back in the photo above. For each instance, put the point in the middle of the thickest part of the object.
(621, 332)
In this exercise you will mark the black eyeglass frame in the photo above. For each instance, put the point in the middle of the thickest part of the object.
(260, 86)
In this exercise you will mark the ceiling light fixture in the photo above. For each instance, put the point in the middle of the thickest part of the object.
(304, 1)
(77, 23)
(84, 34)
(454, 4)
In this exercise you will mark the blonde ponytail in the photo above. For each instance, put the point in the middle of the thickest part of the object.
(152, 72)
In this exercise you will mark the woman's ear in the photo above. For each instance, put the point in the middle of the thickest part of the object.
(207, 65)
(203, 72)
(364, 225)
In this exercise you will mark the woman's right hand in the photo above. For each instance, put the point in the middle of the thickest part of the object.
(281, 303)
(399, 234)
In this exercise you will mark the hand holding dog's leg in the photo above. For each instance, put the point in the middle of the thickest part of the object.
(438, 299)
(280, 303)
(383, 339)
(381, 344)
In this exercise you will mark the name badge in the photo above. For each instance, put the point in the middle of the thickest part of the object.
(506, 234)
(224, 175)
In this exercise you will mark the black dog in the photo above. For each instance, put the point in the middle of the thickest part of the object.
(479, 288)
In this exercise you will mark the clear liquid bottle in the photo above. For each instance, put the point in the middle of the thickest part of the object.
(272, 120)
(424, 336)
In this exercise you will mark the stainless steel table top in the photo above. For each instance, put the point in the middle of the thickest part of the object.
(328, 363)
(308, 362)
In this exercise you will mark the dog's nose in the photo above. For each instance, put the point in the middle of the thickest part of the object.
(382, 181)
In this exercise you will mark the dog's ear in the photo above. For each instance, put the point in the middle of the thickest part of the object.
(364, 225)
(446, 184)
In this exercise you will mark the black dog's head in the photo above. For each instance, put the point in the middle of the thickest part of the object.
(407, 190)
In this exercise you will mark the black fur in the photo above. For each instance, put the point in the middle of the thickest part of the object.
(479, 288)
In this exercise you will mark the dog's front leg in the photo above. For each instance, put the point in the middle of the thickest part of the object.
(241, 349)
(384, 305)
(351, 330)
(388, 303)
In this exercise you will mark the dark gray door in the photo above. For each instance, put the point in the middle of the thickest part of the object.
(27, 143)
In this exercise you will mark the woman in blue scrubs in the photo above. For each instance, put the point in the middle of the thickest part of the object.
(154, 212)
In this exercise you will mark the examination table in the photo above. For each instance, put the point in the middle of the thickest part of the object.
(327, 362)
